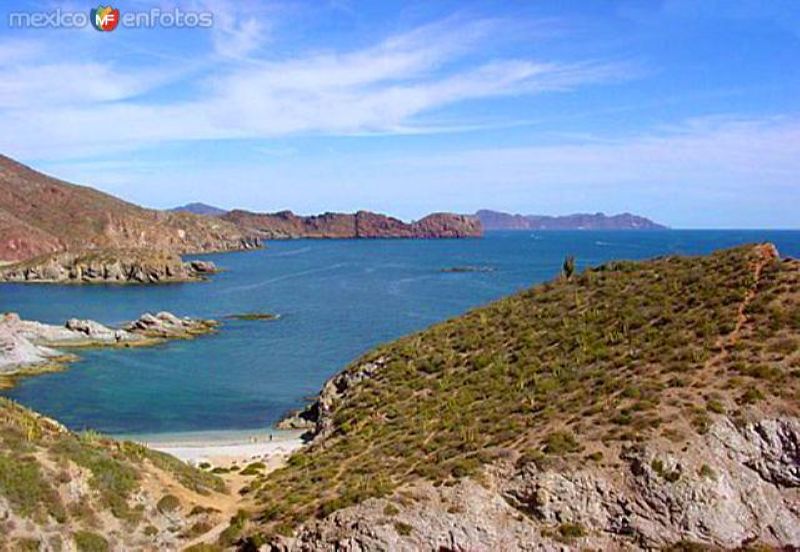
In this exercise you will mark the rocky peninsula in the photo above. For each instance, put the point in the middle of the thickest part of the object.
(108, 266)
(28, 347)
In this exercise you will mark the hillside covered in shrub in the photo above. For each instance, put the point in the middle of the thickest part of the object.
(576, 372)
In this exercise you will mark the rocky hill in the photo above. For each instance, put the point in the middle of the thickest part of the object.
(638, 405)
(495, 220)
(40, 215)
(64, 491)
(199, 209)
(362, 224)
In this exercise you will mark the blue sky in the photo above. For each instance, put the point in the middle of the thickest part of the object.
(687, 112)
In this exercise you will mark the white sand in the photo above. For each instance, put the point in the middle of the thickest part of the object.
(224, 447)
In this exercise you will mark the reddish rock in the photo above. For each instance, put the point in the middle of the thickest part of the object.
(363, 224)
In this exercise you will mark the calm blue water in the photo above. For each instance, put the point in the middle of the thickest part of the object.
(337, 299)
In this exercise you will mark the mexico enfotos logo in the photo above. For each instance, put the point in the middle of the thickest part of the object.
(108, 18)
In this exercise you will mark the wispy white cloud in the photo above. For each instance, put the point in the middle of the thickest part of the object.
(725, 150)
(69, 108)
(238, 32)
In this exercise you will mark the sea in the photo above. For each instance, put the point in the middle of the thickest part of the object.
(335, 300)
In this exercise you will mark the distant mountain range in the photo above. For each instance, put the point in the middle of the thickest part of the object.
(199, 209)
(496, 220)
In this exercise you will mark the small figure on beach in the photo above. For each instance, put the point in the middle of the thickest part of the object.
(270, 437)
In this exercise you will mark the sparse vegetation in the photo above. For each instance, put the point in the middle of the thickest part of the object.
(39, 460)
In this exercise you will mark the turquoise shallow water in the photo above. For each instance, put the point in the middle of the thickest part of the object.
(336, 298)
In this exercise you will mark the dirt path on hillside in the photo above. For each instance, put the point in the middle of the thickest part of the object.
(767, 253)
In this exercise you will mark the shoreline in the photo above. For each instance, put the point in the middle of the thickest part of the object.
(222, 447)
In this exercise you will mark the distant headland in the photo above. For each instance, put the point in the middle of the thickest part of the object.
(496, 220)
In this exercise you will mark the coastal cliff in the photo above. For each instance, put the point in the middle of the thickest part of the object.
(41, 215)
(363, 224)
(136, 266)
(638, 405)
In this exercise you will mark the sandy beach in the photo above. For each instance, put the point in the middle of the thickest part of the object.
(220, 448)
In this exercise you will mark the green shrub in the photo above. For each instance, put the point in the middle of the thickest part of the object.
(403, 529)
(168, 504)
(26, 545)
(560, 443)
(254, 468)
(86, 541)
(22, 484)
(707, 472)
(202, 547)
(569, 532)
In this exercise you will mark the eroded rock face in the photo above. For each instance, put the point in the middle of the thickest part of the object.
(108, 266)
(729, 487)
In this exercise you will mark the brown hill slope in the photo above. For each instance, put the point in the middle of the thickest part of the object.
(362, 224)
(40, 214)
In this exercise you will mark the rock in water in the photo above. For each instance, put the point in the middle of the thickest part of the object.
(29, 347)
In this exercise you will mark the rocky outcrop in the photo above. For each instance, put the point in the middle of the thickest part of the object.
(41, 215)
(108, 267)
(317, 417)
(736, 485)
(28, 347)
(168, 326)
(363, 224)
(495, 220)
